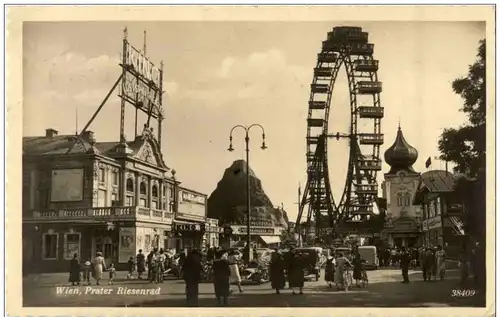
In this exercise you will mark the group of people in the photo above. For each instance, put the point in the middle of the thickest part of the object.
(337, 266)
(82, 272)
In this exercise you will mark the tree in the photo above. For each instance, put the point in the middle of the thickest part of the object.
(466, 145)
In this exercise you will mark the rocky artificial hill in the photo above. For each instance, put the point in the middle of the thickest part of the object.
(228, 201)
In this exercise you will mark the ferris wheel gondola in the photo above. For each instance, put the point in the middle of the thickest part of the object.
(345, 47)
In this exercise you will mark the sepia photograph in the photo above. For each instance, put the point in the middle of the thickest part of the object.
(256, 163)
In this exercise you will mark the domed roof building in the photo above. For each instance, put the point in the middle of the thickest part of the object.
(399, 187)
(401, 155)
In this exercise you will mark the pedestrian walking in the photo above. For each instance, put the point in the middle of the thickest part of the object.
(234, 269)
(161, 259)
(192, 275)
(404, 263)
(330, 270)
(434, 264)
(112, 274)
(296, 272)
(277, 271)
(341, 264)
(99, 267)
(428, 263)
(74, 270)
(150, 260)
(441, 262)
(222, 275)
(130, 267)
(357, 269)
(141, 264)
(86, 269)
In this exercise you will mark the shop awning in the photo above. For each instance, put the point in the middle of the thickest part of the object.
(271, 239)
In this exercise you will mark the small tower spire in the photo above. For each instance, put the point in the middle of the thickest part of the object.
(76, 121)
(399, 123)
(125, 33)
(144, 48)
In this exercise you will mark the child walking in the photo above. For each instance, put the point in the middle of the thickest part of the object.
(112, 274)
(131, 267)
(86, 269)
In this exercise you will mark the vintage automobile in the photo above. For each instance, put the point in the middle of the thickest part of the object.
(369, 254)
(256, 272)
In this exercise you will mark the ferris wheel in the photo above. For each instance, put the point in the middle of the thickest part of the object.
(347, 47)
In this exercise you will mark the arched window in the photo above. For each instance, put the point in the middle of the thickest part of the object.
(154, 191)
(407, 199)
(143, 189)
(130, 185)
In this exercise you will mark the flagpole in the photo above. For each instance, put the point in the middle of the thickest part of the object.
(298, 210)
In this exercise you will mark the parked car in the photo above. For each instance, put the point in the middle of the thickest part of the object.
(369, 254)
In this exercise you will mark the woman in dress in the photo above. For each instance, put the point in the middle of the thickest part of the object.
(441, 262)
(74, 270)
(141, 264)
(233, 260)
(357, 270)
(296, 272)
(341, 262)
(222, 274)
(277, 272)
(99, 267)
(330, 270)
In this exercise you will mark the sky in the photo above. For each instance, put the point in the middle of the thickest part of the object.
(220, 74)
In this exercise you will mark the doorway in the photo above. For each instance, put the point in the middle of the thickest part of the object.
(108, 247)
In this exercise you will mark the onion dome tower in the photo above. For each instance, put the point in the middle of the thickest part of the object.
(401, 156)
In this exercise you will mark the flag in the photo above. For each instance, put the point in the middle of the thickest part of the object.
(428, 162)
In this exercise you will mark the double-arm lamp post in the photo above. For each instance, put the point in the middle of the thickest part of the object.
(230, 149)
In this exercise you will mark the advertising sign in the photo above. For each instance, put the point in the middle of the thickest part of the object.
(241, 230)
(191, 206)
(67, 185)
(127, 244)
(259, 216)
(142, 82)
(432, 223)
(142, 66)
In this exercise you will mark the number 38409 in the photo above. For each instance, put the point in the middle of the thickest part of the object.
(463, 292)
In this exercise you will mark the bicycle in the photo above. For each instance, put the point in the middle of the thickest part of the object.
(346, 279)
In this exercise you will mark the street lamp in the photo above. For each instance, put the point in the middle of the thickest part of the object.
(230, 149)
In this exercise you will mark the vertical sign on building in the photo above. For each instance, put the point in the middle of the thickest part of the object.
(141, 86)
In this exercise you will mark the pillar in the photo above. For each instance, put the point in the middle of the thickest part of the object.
(137, 188)
(123, 187)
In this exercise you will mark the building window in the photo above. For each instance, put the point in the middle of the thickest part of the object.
(50, 242)
(171, 193)
(142, 202)
(101, 198)
(102, 175)
(129, 201)
(114, 200)
(143, 189)
(114, 175)
(130, 185)
(432, 210)
(71, 245)
(438, 206)
(154, 193)
(404, 199)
